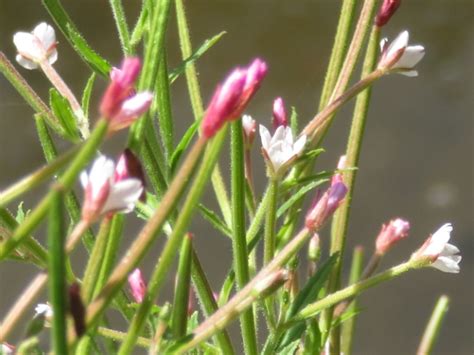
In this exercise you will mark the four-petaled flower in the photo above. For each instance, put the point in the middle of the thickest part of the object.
(399, 56)
(442, 255)
(107, 192)
(36, 46)
(280, 150)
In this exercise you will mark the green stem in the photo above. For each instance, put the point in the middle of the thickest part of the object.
(338, 52)
(57, 273)
(196, 103)
(433, 327)
(208, 303)
(174, 242)
(239, 243)
(270, 219)
(65, 181)
(349, 325)
(341, 217)
(92, 270)
(119, 336)
(122, 27)
(179, 316)
(314, 308)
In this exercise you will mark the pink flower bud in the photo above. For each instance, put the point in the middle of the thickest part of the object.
(231, 98)
(390, 234)
(325, 206)
(120, 104)
(279, 113)
(386, 11)
(137, 285)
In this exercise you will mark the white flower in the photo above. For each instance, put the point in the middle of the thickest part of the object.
(400, 56)
(106, 193)
(44, 309)
(36, 46)
(443, 255)
(281, 149)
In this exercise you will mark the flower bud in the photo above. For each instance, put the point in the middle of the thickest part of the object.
(279, 113)
(386, 11)
(77, 309)
(249, 126)
(137, 285)
(314, 248)
(390, 234)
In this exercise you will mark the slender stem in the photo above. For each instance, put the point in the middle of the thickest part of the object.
(314, 308)
(66, 180)
(57, 273)
(25, 90)
(341, 218)
(33, 290)
(92, 270)
(433, 327)
(61, 86)
(179, 316)
(270, 219)
(208, 303)
(197, 105)
(122, 27)
(239, 243)
(172, 245)
(119, 336)
(147, 235)
(338, 50)
(349, 325)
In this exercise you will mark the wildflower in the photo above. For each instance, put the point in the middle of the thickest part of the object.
(36, 46)
(390, 234)
(325, 205)
(400, 57)
(250, 126)
(279, 113)
(387, 10)
(439, 253)
(231, 98)
(106, 193)
(280, 150)
(137, 285)
(120, 104)
(44, 309)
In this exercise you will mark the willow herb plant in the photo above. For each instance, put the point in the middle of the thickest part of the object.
(163, 181)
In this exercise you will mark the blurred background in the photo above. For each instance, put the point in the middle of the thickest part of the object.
(417, 157)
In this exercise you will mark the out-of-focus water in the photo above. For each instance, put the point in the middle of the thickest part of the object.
(416, 159)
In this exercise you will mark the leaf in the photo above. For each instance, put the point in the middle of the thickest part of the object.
(62, 110)
(61, 18)
(35, 326)
(294, 121)
(20, 213)
(298, 195)
(183, 144)
(86, 96)
(214, 219)
(193, 322)
(290, 349)
(307, 295)
(208, 43)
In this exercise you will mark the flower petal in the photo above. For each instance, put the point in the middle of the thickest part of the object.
(123, 195)
(25, 62)
(27, 45)
(411, 56)
(447, 264)
(45, 33)
(265, 137)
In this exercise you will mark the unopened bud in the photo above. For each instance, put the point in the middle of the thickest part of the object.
(386, 11)
(390, 234)
(77, 309)
(279, 113)
(137, 285)
(314, 248)
(249, 126)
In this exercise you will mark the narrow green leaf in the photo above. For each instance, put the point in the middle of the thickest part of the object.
(86, 96)
(207, 44)
(20, 213)
(294, 121)
(214, 219)
(64, 22)
(298, 195)
(122, 27)
(183, 145)
(62, 110)
(290, 349)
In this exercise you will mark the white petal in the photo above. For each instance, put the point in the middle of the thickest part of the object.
(447, 264)
(279, 135)
(84, 179)
(45, 33)
(443, 233)
(27, 45)
(299, 145)
(409, 73)
(449, 250)
(265, 137)
(137, 104)
(26, 63)
(383, 43)
(53, 56)
(102, 171)
(398, 43)
(248, 123)
(123, 195)
(411, 56)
